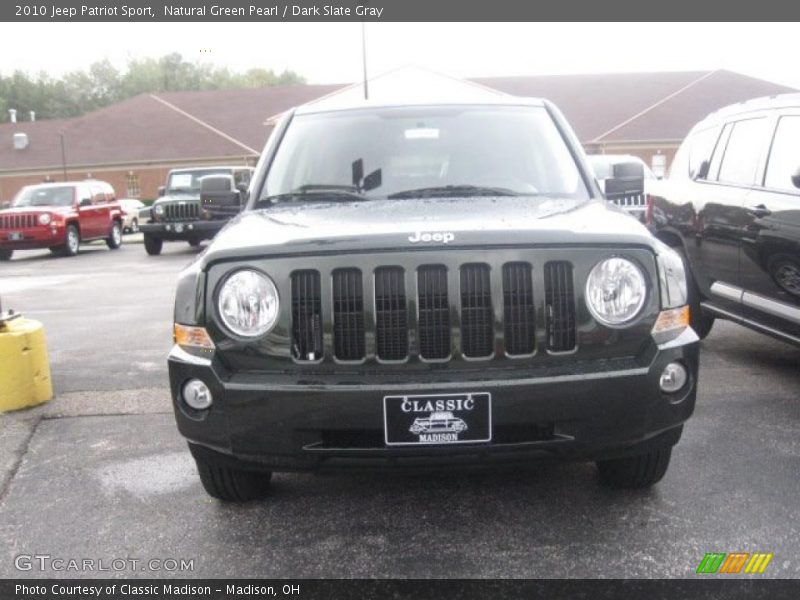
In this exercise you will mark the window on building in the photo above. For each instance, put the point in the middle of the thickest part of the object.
(784, 160)
(132, 186)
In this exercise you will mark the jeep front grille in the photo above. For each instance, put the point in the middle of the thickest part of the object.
(560, 306)
(391, 314)
(519, 326)
(188, 211)
(348, 314)
(17, 221)
(477, 329)
(306, 316)
(433, 312)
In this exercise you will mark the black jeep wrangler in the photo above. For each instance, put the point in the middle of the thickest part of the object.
(180, 214)
(430, 284)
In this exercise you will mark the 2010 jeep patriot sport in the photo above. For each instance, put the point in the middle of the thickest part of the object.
(400, 263)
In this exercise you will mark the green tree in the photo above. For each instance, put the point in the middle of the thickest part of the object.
(79, 92)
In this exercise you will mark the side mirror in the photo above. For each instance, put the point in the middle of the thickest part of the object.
(161, 190)
(219, 196)
(86, 202)
(627, 178)
(796, 178)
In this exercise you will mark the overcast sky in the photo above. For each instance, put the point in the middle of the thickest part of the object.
(331, 52)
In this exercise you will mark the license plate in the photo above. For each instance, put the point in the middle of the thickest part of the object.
(15, 236)
(462, 418)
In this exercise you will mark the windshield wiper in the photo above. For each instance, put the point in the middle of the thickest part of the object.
(317, 192)
(454, 190)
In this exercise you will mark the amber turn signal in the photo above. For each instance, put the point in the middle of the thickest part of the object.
(193, 337)
(672, 320)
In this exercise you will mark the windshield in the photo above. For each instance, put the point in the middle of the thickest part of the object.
(45, 196)
(423, 152)
(189, 181)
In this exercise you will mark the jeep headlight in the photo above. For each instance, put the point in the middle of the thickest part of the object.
(45, 218)
(615, 291)
(672, 278)
(158, 210)
(248, 303)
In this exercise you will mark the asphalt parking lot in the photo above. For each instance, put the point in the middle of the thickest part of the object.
(101, 473)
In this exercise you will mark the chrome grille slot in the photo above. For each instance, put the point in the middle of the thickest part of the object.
(434, 312)
(518, 309)
(182, 212)
(306, 316)
(391, 314)
(18, 221)
(560, 305)
(348, 314)
(477, 323)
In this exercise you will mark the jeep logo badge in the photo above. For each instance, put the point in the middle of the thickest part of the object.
(441, 237)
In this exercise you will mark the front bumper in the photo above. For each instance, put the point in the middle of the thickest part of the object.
(183, 230)
(44, 236)
(272, 422)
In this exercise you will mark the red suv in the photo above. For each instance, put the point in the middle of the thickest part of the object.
(60, 216)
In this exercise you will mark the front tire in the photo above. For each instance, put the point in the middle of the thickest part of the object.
(635, 472)
(114, 240)
(232, 485)
(6, 255)
(72, 241)
(135, 226)
(153, 245)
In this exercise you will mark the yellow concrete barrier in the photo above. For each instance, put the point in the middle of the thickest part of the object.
(24, 366)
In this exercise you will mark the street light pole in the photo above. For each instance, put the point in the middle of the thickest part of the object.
(63, 155)
(364, 57)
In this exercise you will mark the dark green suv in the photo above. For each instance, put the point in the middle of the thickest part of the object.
(397, 264)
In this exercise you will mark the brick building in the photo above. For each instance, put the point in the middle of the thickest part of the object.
(134, 143)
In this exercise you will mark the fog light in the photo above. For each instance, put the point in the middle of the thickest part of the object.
(196, 394)
(673, 378)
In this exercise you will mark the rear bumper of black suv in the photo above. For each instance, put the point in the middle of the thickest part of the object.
(269, 422)
(183, 230)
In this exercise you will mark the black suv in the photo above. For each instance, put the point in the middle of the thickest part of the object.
(430, 284)
(732, 206)
(179, 214)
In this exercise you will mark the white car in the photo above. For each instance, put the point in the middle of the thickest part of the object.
(130, 214)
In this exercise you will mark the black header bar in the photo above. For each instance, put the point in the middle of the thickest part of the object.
(272, 11)
(440, 589)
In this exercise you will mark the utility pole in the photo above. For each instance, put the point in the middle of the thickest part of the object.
(364, 57)
(63, 155)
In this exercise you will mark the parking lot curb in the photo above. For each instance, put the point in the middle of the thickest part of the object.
(24, 365)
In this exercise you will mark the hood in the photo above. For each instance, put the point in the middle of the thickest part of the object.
(451, 222)
(177, 197)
